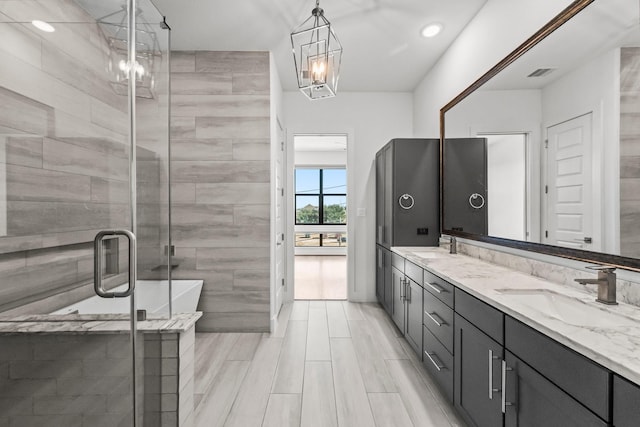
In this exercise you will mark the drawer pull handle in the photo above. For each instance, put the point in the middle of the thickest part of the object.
(491, 389)
(436, 319)
(434, 359)
(436, 288)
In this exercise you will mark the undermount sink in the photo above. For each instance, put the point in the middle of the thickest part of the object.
(426, 254)
(567, 309)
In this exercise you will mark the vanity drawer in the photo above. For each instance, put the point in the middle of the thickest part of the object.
(438, 287)
(413, 271)
(397, 261)
(583, 379)
(438, 318)
(481, 315)
(439, 362)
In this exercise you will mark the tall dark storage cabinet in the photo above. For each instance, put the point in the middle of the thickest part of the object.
(407, 211)
(407, 193)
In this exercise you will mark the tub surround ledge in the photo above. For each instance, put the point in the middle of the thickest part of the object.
(73, 324)
(613, 344)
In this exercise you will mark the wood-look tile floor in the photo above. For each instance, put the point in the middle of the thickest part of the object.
(320, 277)
(329, 363)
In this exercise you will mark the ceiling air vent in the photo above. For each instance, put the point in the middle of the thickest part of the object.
(541, 72)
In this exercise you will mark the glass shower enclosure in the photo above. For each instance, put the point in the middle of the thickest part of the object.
(84, 202)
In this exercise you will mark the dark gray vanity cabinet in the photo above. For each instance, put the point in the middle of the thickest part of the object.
(384, 288)
(582, 380)
(397, 298)
(405, 299)
(531, 400)
(626, 403)
(413, 306)
(477, 366)
(408, 193)
(437, 341)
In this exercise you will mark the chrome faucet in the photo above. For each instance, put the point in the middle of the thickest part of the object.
(453, 245)
(606, 282)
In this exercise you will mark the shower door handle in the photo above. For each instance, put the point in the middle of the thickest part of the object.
(97, 263)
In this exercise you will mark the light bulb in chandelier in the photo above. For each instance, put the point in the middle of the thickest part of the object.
(318, 72)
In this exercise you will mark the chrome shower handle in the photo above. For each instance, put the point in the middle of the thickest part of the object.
(97, 263)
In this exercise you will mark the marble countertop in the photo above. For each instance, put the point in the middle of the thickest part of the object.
(93, 324)
(608, 335)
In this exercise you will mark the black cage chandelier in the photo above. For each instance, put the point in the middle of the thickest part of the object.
(317, 55)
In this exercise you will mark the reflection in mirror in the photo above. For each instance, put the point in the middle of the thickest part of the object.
(563, 144)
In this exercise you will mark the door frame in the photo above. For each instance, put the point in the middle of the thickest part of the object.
(291, 132)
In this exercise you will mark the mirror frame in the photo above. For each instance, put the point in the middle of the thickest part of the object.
(626, 263)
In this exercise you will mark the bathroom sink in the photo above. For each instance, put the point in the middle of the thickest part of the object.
(427, 254)
(567, 309)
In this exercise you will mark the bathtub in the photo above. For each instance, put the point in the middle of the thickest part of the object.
(151, 295)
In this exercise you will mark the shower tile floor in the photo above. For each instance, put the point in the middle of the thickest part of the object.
(329, 363)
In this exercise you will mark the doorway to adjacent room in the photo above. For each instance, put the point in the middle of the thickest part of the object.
(320, 203)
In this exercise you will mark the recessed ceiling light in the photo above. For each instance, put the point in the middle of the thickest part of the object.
(43, 26)
(431, 30)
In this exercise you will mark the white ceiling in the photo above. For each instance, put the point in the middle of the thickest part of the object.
(383, 49)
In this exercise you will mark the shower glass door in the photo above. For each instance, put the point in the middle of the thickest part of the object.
(81, 152)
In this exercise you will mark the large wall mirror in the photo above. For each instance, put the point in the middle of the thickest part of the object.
(543, 151)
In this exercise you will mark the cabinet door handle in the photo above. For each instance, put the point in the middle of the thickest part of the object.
(436, 288)
(434, 359)
(436, 319)
(491, 389)
(402, 289)
(408, 292)
(505, 368)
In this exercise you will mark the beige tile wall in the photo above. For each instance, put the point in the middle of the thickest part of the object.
(630, 152)
(221, 184)
(64, 168)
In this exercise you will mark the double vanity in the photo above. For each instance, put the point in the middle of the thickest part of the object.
(507, 347)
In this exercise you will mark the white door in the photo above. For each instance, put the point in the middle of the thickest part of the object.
(569, 201)
(280, 223)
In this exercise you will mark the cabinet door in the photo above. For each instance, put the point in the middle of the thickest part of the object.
(477, 375)
(413, 327)
(626, 403)
(535, 401)
(380, 176)
(397, 303)
(380, 274)
(465, 185)
(388, 196)
(388, 281)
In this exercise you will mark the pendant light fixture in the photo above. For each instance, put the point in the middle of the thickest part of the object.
(317, 55)
(148, 53)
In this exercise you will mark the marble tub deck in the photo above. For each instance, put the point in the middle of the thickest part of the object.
(93, 324)
(614, 347)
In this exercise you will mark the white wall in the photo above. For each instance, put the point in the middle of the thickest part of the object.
(499, 27)
(321, 158)
(369, 120)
